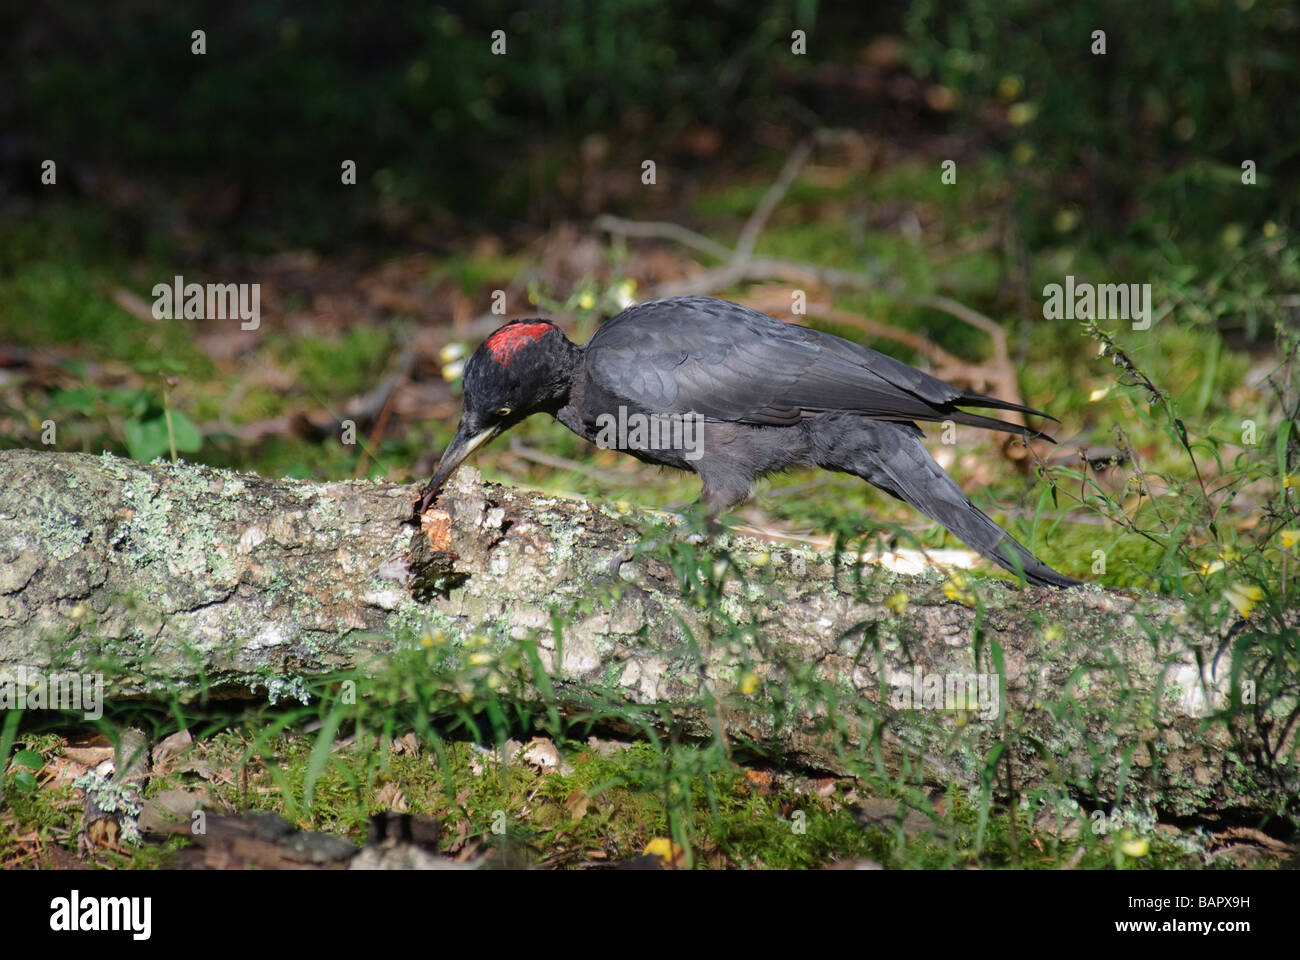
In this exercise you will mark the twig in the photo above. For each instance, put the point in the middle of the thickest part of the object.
(370, 405)
(771, 199)
(658, 229)
(564, 463)
(918, 342)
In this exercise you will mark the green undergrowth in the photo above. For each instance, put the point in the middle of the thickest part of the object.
(467, 725)
(428, 733)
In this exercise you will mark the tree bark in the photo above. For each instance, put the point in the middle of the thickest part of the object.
(177, 572)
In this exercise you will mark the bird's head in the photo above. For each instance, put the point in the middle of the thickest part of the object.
(524, 368)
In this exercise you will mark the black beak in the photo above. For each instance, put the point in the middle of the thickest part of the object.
(462, 445)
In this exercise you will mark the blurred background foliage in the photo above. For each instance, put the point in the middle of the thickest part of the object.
(436, 121)
(1153, 133)
(1150, 135)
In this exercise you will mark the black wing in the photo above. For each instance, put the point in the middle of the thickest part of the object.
(728, 362)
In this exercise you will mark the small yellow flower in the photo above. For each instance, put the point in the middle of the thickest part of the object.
(1019, 114)
(453, 370)
(1209, 568)
(1289, 538)
(1098, 394)
(1065, 220)
(749, 683)
(664, 849)
(897, 603)
(955, 590)
(1291, 480)
(1009, 87)
(1136, 847)
(452, 351)
(479, 659)
(586, 300)
(1243, 597)
(1053, 633)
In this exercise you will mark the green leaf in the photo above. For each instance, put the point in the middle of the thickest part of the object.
(29, 759)
(23, 780)
(82, 399)
(147, 439)
(188, 437)
(320, 752)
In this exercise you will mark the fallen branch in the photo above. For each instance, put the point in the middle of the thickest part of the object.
(176, 574)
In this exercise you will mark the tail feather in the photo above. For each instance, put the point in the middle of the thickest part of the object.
(969, 419)
(980, 400)
(992, 423)
(897, 463)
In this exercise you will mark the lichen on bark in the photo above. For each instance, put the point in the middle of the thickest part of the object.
(172, 575)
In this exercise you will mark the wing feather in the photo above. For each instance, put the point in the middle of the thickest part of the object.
(728, 362)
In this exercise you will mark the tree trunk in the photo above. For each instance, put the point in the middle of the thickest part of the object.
(174, 572)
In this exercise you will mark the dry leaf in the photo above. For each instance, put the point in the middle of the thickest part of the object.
(165, 754)
(761, 779)
(408, 744)
(576, 804)
(541, 753)
(391, 797)
(89, 750)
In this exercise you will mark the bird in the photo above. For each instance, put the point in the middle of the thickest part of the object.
(746, 395)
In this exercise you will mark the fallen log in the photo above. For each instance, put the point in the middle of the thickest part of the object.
(181, 574)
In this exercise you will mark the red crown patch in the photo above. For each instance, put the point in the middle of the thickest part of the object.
(507, 341)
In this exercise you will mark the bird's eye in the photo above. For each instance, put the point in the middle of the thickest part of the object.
(503, 411)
